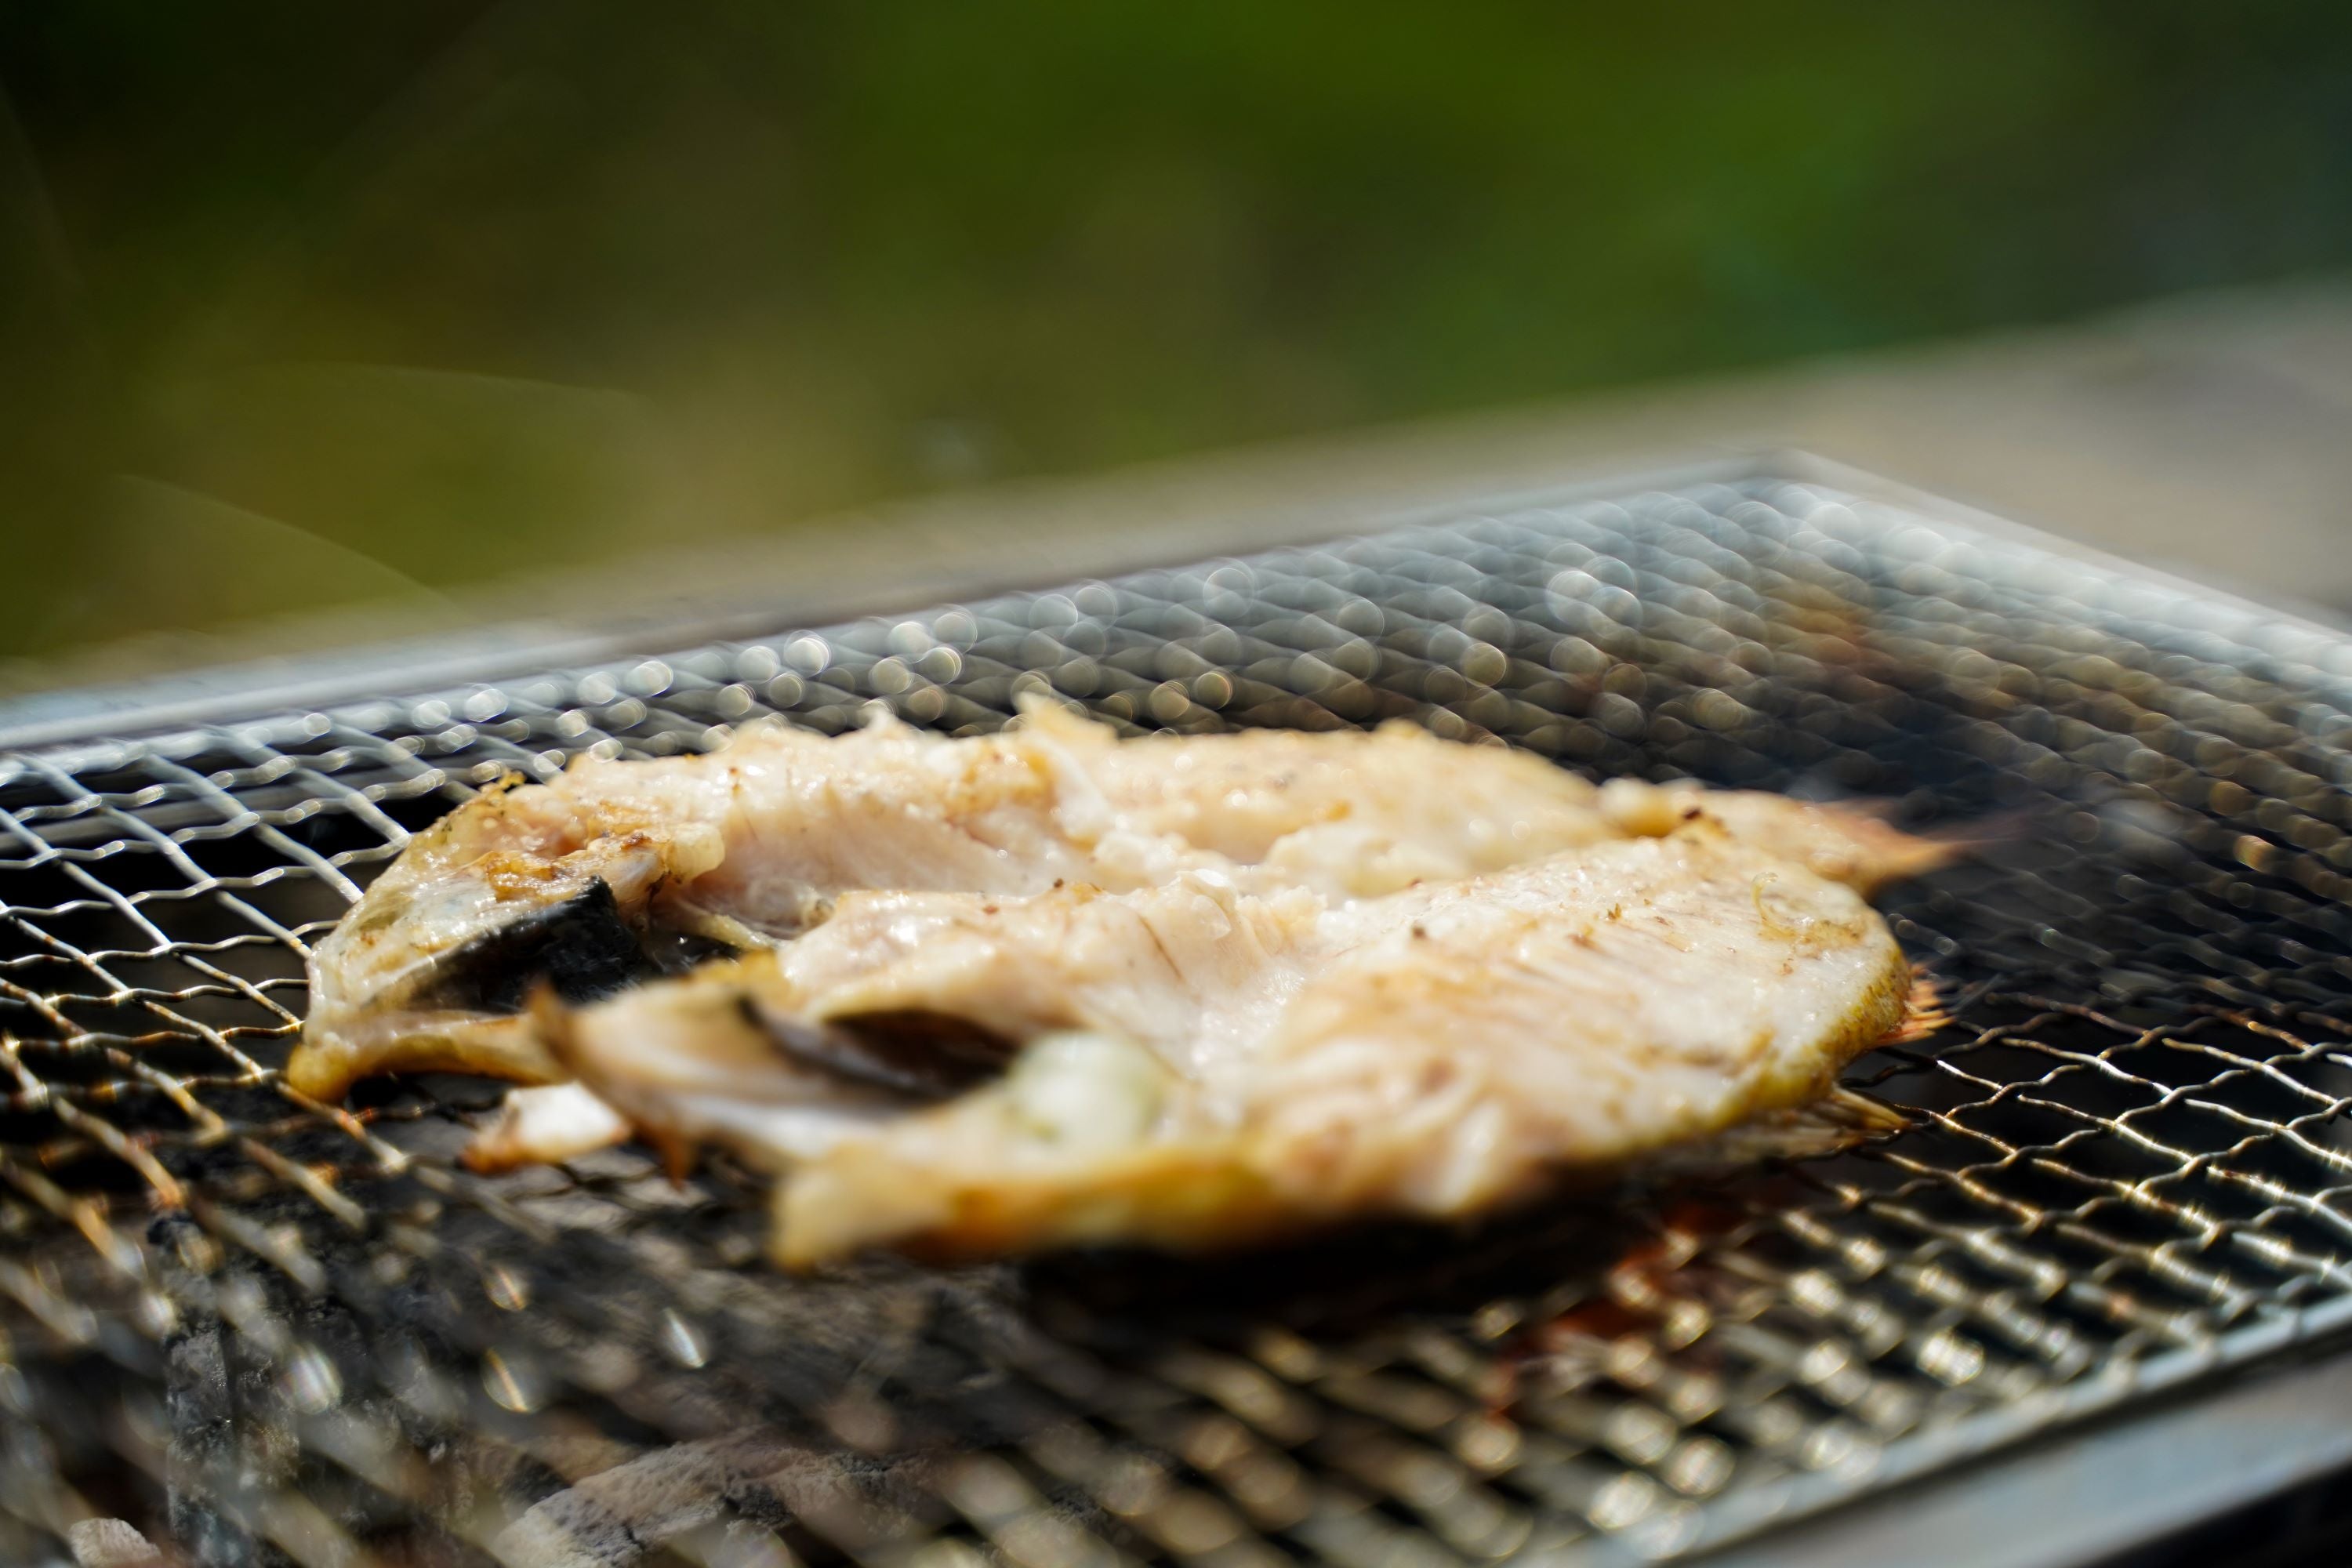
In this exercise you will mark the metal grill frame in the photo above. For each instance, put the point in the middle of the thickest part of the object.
(1881, 555)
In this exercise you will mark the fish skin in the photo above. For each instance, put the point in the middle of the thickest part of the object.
(510, 855)
(752, 844)
(1213, 1066)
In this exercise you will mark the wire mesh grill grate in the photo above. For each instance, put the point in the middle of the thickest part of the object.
(259, 1329)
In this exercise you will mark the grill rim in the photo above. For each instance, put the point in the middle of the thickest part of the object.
(2020, 1434)
(2178, 1461)
(116, 711)
(155, 704)
(1959, 1458)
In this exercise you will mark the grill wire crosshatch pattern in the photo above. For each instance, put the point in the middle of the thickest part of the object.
(258, 1329)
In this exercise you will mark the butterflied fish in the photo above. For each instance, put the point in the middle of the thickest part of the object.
(621, 871)
(1200, 1063)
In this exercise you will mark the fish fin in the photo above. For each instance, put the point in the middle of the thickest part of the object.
(1924, 1011)
(1911, 855)
(1893, 853)
(1836, 1123)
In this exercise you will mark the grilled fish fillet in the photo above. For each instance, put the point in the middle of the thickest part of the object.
(1200, 1063)
(621, 871)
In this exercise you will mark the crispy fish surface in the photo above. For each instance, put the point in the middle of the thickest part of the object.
(1200, 1063)
(618, 872)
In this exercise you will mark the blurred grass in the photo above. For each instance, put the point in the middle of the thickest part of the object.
(304, 303)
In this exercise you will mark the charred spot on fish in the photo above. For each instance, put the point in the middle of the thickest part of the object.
(923, 1055)
(584, 947)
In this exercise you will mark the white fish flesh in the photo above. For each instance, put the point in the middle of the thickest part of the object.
(620, 871)
(1198, 1063)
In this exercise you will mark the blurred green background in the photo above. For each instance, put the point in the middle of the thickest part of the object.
(311, 304)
